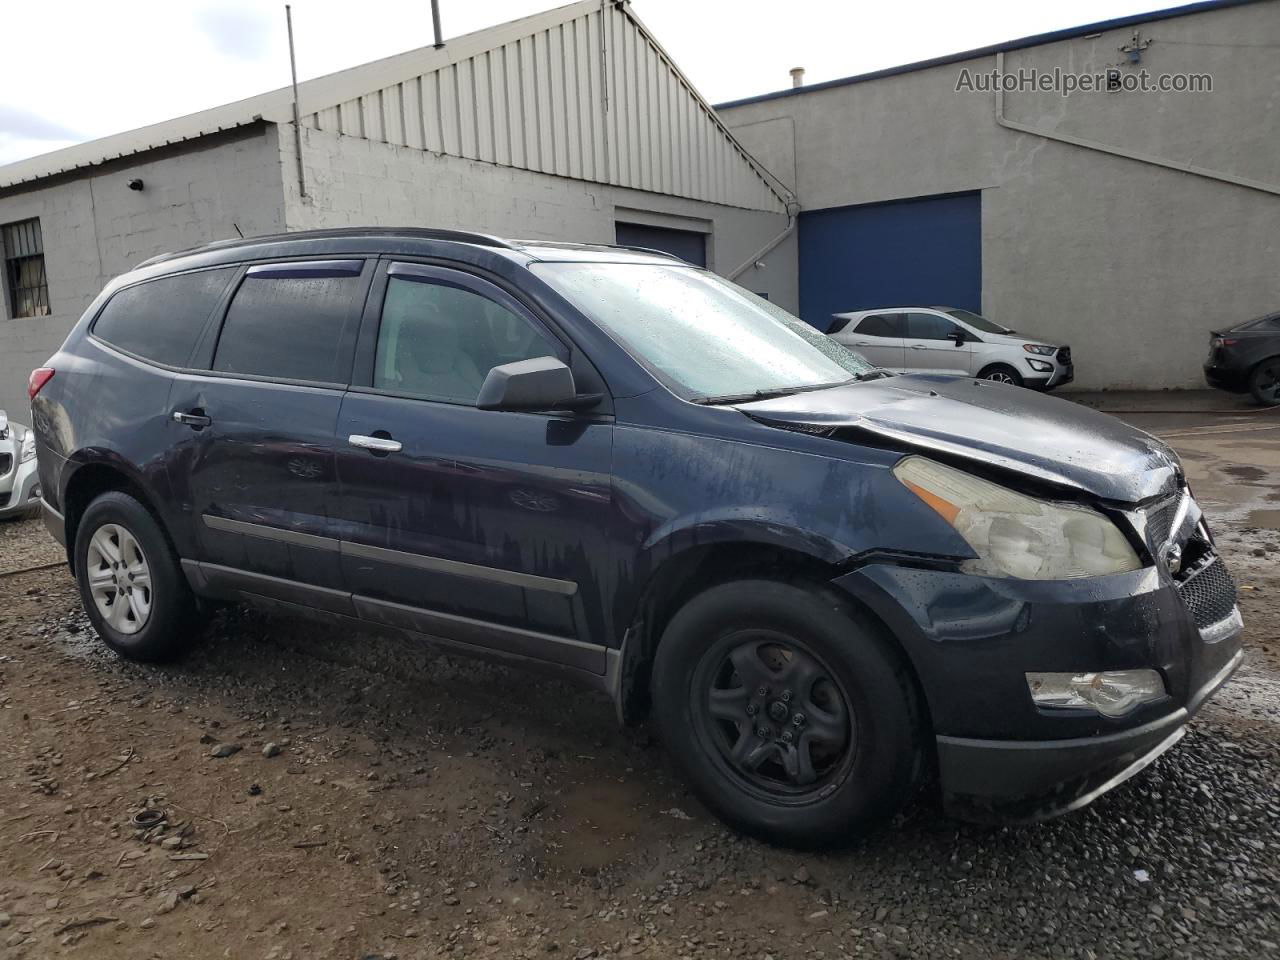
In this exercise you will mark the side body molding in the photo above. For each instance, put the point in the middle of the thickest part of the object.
(472, 635)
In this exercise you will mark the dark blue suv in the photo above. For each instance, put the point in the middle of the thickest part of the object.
(820, 581)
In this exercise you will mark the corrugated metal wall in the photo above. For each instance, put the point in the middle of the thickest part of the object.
(592, 98)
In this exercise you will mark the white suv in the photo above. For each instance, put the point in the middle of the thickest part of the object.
(952, 341)
(19, 483)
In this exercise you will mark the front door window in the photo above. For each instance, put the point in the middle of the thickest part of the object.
(439, 341)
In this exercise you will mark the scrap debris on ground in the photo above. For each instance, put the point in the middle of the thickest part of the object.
(298, 791)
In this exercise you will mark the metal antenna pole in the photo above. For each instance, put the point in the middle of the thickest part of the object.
(297, 122)
(435, 22)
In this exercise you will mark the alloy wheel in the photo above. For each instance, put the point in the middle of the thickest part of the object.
(998, 376)
(774, 714)
(119, 578)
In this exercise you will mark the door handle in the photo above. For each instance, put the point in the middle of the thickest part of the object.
(917, 346)
(376, 444)
(194, 420)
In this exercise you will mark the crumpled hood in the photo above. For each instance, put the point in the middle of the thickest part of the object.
(1011, 427)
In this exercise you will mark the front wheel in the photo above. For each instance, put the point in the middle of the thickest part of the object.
(1001, 373)
(791, 715)
(130, 582)
(1264, 382)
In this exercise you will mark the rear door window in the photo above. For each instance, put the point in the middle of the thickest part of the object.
(160, 320)
(882, 325)
(291, 321)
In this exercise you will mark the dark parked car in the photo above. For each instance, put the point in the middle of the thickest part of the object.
(1246, 358)
(608, 462)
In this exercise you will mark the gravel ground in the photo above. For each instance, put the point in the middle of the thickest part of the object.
(338, 795)
(26, 544)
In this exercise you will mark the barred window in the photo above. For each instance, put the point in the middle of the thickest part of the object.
(23, 249)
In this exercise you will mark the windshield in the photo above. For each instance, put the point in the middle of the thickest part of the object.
(705, 334)
(978, 323)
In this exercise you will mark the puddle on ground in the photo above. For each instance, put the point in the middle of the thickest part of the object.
(1264, 518)
(1245, 472)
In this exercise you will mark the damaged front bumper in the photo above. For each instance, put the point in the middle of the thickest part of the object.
(1028, 780)
(972, 640)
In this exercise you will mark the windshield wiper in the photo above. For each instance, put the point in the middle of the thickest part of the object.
(746, 397)
(771, 394)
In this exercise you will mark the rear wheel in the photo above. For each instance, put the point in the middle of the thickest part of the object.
(1001, 373)
(130, 582)
(1264, 382)
(792, 717)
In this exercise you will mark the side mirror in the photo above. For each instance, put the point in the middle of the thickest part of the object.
(958, 336)
(543, 383)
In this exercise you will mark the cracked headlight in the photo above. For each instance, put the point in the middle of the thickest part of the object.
(1015, 535)
(28, 447)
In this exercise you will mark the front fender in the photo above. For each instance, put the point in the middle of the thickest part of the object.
(760, 525)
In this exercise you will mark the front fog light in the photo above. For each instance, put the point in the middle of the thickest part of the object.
(1040, 365)
(1112, 693)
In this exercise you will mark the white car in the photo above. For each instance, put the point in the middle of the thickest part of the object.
(952, 341)
(19, 483)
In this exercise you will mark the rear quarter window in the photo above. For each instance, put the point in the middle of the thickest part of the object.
(288, 327)
(160, 320)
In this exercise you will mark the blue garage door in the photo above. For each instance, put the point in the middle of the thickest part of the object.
(921, 252)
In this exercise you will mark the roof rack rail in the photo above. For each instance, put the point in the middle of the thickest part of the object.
(418, 233)
(660, 253)
(570, 245)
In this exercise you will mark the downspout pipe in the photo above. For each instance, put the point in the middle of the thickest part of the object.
(1137, 155)
(793, 209)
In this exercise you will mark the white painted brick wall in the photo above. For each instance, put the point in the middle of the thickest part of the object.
(95, 227)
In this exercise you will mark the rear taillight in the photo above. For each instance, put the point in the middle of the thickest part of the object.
(39, 377)
(1224, 342)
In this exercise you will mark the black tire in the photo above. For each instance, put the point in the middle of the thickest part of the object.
(168, 626)
(1264, 382)
(1001, 373)
(856, 786)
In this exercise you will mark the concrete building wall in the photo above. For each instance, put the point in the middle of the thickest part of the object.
(356, 181)
(95, 228)
(1130, 262)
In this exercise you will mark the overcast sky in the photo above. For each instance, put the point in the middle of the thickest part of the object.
(73, 70)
